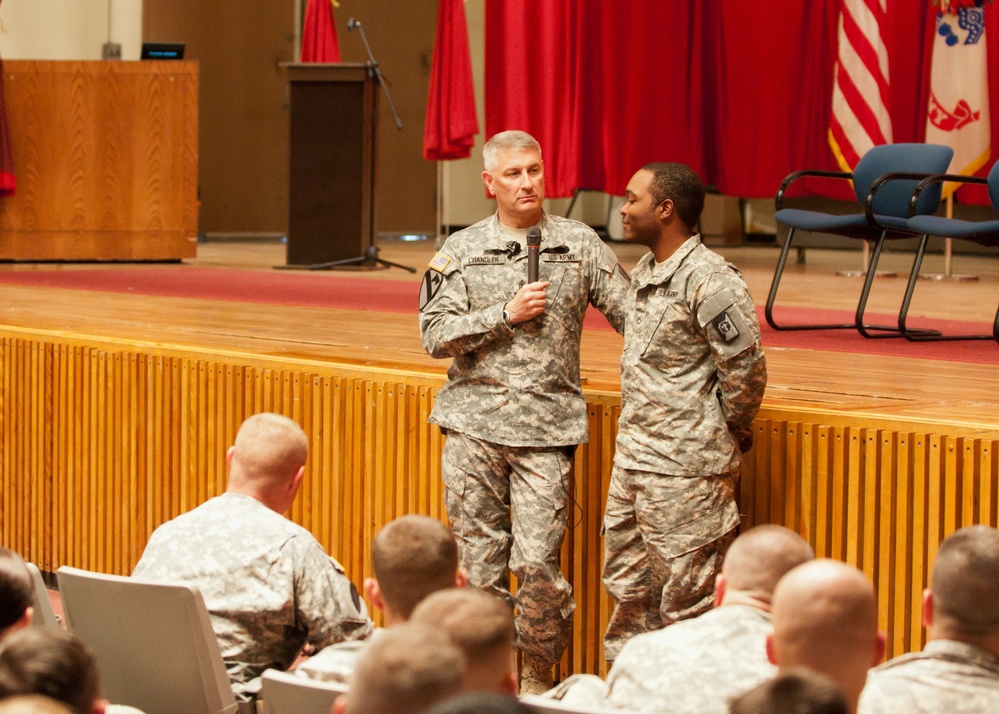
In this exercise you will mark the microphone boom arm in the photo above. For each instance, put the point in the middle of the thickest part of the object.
(353, 24)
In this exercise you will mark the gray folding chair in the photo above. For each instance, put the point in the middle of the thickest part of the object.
(44, 614)
(154, 642)
(287, 693)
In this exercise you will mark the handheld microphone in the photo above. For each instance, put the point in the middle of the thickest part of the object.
(352, 24)
(533, 253)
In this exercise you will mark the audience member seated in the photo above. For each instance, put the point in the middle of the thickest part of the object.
(405, 670)
(667, 670)
(481, 703)
(482, 627)
(51, 663)
(15, 593)
(33, 704)
(412, 557)
(825, 618)
(958, 669)
(267, 582)
(796, 691)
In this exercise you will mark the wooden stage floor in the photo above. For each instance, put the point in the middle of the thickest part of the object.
(115, 411)
(893, 387)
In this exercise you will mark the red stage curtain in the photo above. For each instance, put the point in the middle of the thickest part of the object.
(319, 40)
(451, 123)
(739, 91)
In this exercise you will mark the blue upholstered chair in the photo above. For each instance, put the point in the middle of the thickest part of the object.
(886, 218)
(982, 232)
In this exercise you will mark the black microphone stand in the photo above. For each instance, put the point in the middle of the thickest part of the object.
(371, 254)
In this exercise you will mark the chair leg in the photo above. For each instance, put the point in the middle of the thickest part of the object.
(924, 335)
(884, 331)
(772, 297)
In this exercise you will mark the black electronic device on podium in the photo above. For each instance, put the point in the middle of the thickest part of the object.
(334, 121)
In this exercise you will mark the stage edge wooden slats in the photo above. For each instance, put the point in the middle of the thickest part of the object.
(102, 440)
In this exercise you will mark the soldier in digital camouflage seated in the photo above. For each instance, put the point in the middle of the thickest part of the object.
(513, 407)
(692, 379)
(958, 669)
(412, 557)
(269, 586)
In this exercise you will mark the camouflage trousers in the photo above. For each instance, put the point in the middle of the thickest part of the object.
(507, 508)
(664, 541)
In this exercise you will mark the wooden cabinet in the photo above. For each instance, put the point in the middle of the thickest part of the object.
(106, 160)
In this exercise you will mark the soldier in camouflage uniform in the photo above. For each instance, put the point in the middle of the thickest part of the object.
(665, 670)
(692, 379)
(269, 586)
(513, 407)
(958, 670)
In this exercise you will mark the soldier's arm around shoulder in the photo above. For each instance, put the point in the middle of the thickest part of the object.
(609, 284)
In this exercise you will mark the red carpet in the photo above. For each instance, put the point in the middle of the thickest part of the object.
(325, 290)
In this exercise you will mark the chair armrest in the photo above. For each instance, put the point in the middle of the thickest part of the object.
(941, 178)
(792, 177)
(881, 181)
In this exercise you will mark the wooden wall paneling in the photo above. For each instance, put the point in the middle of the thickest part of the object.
(922, 512)
(901, 526)
(883, 490)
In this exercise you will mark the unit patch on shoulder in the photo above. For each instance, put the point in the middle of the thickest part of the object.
(432, 281)
(439, 262)
(725, 327)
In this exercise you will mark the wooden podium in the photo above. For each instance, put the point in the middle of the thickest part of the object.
(332, 170)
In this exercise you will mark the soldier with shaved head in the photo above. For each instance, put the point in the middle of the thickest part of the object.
(269, 586)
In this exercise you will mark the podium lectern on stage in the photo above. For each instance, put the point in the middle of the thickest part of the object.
(332, 170)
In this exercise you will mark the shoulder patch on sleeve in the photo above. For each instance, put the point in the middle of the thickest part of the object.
(439, 262)
(432, 281)
(725, 323)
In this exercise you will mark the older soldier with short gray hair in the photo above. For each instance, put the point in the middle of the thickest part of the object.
(692, 379)
(513, 406)
(269, 586)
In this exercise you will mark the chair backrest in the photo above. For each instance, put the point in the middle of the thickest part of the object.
(154, 642)
(892, 199)
(286, 693)
(44, 614)
(994, 185)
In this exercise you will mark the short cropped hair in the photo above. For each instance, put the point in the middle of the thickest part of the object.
(270, 447)
(679, 183)
(965, 581)
(506, 141)
(405, 670)
(412, 557)
(794, 691)
(761, 556)
(477, 622)
(15, 588)
(52, 663)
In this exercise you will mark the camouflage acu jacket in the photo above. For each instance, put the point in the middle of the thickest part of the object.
(516, 385)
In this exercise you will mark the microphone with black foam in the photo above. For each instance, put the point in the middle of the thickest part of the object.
(533, 253)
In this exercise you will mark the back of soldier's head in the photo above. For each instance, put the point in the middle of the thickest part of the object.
(51, 663)
(412, 557)
(795, 691)
(269, 450)
(481, 703)
(481, 625)
(824, 612)
(15, 589)
(761, 556)
(965, 581)
(405, 670)
(33, 704)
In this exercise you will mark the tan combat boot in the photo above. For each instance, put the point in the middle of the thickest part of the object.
(535, 675)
